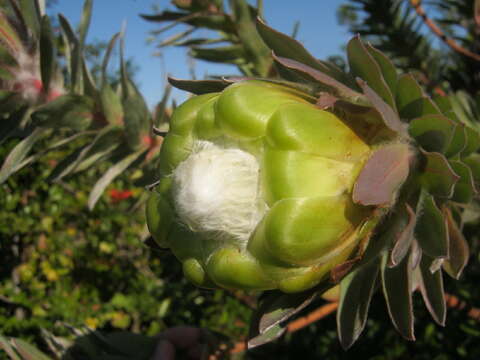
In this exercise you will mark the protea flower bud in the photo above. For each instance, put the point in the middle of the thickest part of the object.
(256, 188)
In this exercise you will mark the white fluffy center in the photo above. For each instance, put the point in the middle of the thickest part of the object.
(216, 191)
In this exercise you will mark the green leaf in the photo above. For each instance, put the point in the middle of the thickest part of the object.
(431, 229)
(268, 336)
(110, 175)
(65, 166)
(137, 121)
(199, 87)
(31, 15)
(443, 103)
(364, 66)
(458, 248)
(284, 46)
(85, 22)
(102, 140)
(404, 237)
(465, 187)
(279, 307)
(387, 113)
(128, 89)
(38, 155)
(27, 351)
(458, 141)
(438, 177)
(108, 54)
(5, 345)
(71, 111)
(287, 47)
(397, 285)
(420, 107)
(382, 241)
(177, 40)
(473, 141)
(256, 51)
(75, 57)
(473, 162)
(164, 16)
(198, 41)
(111, 105)
(89, 86)
(10, 39)
(432, 132)
(161, 116)
(19, 152)
(47, 53)
(356, 291)
(198, 19)
(326, 81)
(225, 54)
(408, 90)
(389, 70)
(462, 107)
(101, 151)
(383, 174)
(431, 287)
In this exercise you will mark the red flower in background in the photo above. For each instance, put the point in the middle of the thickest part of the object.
(119, 195)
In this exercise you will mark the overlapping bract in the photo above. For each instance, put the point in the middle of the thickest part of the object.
(309, 223)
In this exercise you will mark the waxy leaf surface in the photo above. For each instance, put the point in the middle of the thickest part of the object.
(431, 287)
(397, 285)
(438, 176)
(431, 229)
(356, 293)
(382, 175)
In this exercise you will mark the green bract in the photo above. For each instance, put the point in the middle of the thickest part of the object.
(255, 188)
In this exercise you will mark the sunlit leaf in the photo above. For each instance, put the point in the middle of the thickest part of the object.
(363, 65)
(19, 152)
(431, 229)
(431, 287)
(397, 284)
(356, 291)
(438, 176)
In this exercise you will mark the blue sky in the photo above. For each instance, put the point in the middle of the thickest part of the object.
(319, 32)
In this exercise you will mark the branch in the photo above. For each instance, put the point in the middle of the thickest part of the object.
(439, 33)
(315, 315)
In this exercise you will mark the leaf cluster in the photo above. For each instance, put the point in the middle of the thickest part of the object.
(404, 31)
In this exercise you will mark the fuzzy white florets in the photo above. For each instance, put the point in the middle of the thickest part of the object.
(216, 191)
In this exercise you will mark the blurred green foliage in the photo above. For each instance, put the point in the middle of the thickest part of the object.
(63, 264)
